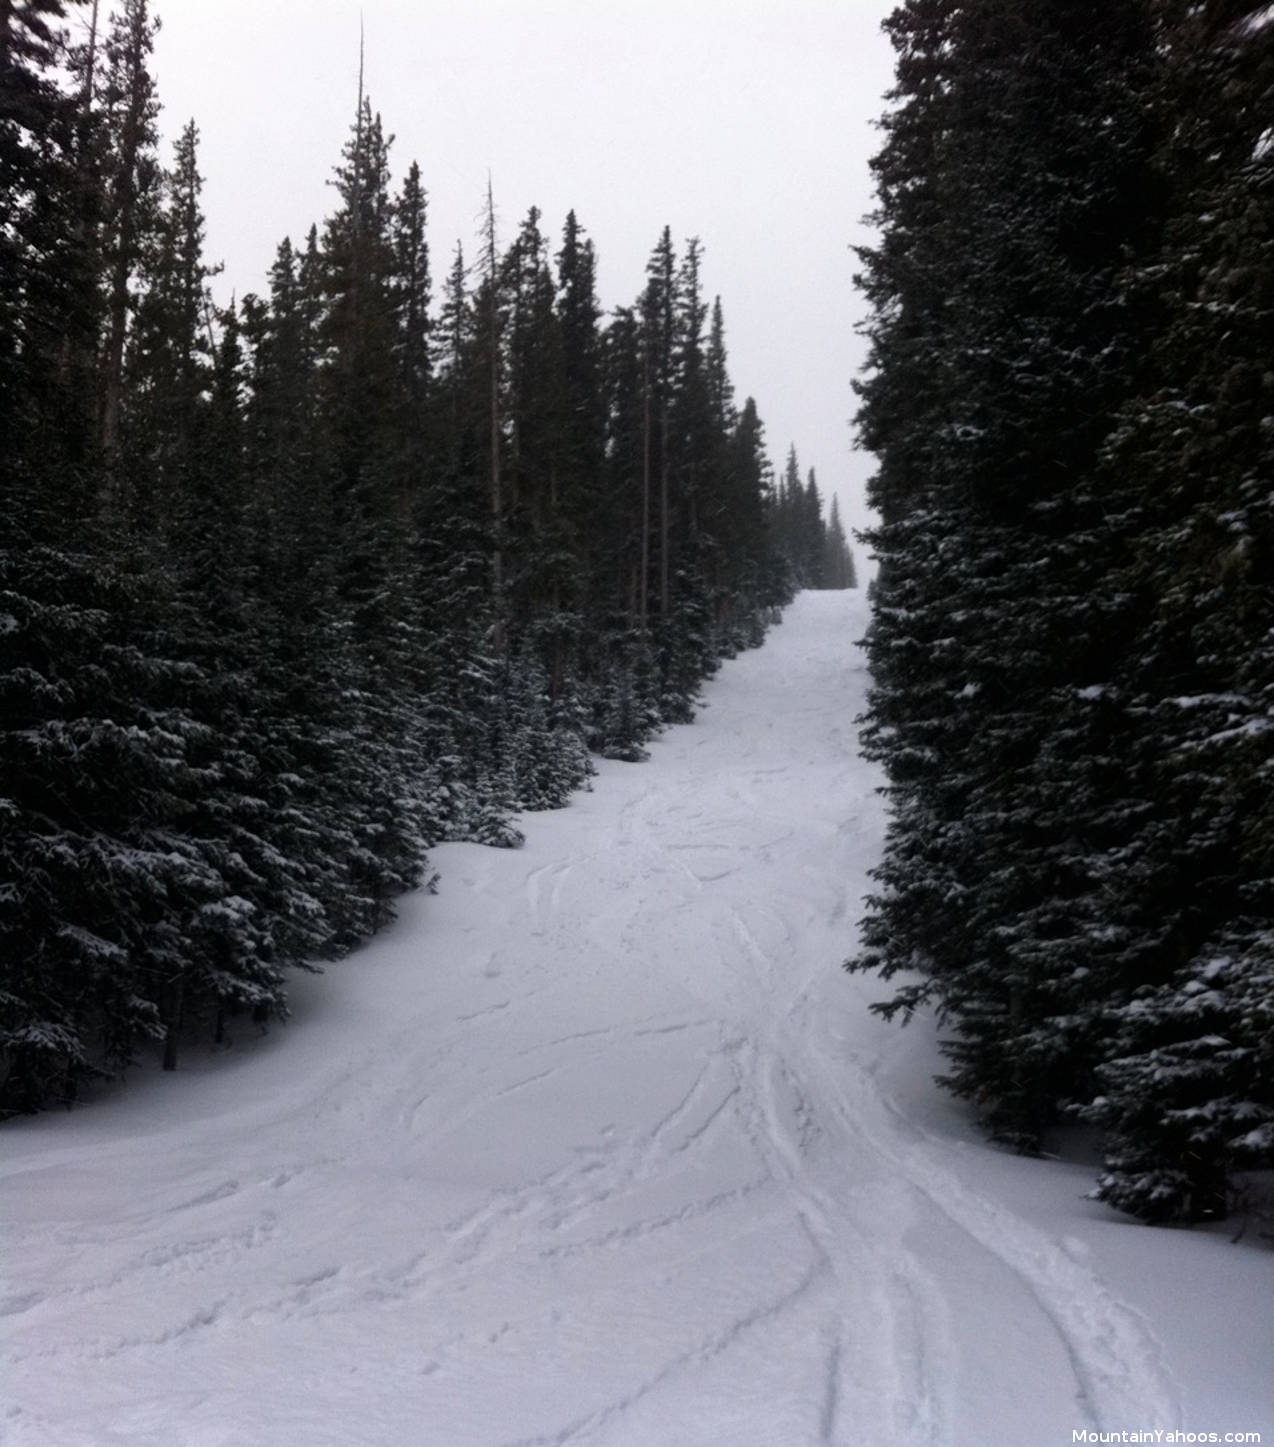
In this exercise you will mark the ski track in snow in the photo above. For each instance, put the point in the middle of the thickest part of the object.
(589, 1150)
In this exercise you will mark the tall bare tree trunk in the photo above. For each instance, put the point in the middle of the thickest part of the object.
(663, 507)
(125, 203)
(644, 575)
(497, 501)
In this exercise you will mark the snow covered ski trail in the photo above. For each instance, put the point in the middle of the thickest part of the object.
(598, 1146)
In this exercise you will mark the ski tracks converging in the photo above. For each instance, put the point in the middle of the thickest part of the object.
(591, 1148)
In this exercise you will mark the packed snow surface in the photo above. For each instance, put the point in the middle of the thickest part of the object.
(601, 1146)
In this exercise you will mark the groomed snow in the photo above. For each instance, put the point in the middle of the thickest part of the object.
(600, 1146)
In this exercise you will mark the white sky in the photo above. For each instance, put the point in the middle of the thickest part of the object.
(746, 123)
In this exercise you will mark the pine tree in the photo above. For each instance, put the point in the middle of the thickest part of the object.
(1187, 1089)
(759, 503)
(838, 561)
(799, 524)
(734, 510)
(1068, 383)
(1015, 184)
(578, 456)
(533, 411)
(131, 181)
(410, 295)
(658, 315)
(166, 362)
(48, 303)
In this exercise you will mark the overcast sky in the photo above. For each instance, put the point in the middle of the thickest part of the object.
(747, 123)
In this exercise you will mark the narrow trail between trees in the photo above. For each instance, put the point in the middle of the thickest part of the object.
(597, 1146)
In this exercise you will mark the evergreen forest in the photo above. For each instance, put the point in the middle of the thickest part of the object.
(296, 587)
(1071, 396)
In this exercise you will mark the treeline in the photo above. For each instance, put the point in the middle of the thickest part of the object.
(1071, 395)
(816, 552)
(293, 589)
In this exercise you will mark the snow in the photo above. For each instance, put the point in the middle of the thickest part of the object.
(601, 1146)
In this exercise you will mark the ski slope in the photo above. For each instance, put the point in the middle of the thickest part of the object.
(600, 1146)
